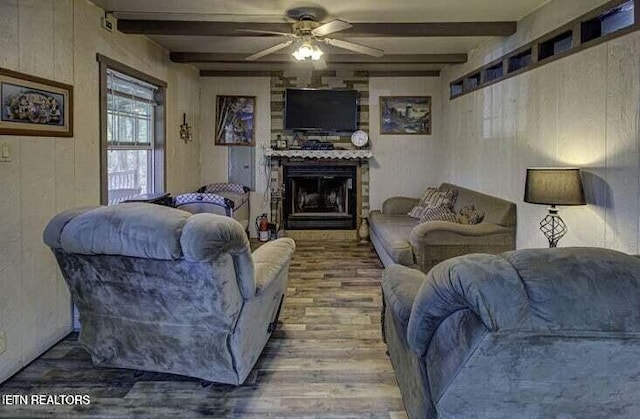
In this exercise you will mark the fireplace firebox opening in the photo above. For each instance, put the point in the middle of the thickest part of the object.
(320, 197)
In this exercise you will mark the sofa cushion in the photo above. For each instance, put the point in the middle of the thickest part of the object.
(496, 210)
(469, 215)
(586, 289)
(132, 229)
(394, 231)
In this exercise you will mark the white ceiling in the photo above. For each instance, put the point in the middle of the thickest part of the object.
(354, 11)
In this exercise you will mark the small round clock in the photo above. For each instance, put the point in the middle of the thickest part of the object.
(359, 138)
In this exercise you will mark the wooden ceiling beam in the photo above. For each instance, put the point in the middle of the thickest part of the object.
(427, 29)
(206, 57)
(266, 73)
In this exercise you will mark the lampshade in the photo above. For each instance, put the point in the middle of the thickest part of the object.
(554, 186)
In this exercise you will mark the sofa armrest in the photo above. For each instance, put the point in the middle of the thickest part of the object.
(399, 205)
(270, 259)
(487, 285)
(448, 233)
(400, 284)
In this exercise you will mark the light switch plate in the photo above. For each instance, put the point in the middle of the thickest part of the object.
(6, 152)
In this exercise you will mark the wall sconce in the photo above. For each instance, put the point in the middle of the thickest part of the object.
(553, 186)
(185, 130)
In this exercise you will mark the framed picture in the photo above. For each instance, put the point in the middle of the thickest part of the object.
(34, 106)
(405, 115)
(235, 120)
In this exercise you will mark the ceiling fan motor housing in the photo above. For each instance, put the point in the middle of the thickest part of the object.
(304, 27)
(307, 13)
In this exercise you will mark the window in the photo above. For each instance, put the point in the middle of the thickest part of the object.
(132, 119)
(494, 72)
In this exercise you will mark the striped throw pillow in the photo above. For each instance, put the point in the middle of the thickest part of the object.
(416, 212)
(433, 198)
(441, 213)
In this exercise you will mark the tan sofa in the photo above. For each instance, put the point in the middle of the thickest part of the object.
(404, 240)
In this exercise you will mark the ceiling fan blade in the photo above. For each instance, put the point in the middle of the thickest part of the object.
(331, 27)
(354, 47)
(257, 31)
(269, 50)
(320, 64)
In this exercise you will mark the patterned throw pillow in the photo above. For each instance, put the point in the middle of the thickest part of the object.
(416, 212)
(470, 215)
(433, 198)
(441, 213)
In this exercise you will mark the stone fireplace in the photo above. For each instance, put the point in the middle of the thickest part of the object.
(319, 190)
(319, 196)
(325, 207)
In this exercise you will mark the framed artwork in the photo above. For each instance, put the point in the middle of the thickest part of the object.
(405, 115)
(35, 106)
(235, 120)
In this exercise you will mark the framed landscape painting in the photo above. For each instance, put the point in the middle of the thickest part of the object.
(32, 105)
(405, 115)
(235, 120)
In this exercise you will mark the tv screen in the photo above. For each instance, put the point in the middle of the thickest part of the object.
(321, 110)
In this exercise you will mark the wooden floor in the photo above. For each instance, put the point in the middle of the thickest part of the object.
(327, 359)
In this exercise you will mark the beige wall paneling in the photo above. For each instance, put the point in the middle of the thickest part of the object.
(10, 57)
(582, 137)
(10, 262)
(59, 39)
(35, 37)
(183, 159)
(404, 165)
(622, 144)
(581, 110)
(11, 221)
(213, 158)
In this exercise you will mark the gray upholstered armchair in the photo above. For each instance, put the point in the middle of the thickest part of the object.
(532, 333)
(160, 289)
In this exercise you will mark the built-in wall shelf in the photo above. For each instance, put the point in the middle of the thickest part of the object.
(611, 20)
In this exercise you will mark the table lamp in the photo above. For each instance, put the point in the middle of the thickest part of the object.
(553, 186)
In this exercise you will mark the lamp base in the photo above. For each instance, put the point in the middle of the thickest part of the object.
(553, 227)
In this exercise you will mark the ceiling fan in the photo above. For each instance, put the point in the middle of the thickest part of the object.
(308, 33)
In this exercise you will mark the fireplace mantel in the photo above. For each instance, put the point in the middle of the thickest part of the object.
(320, 154)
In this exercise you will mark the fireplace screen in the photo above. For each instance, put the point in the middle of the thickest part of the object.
(319, 197)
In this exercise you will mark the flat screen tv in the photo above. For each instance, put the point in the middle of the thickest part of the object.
(320, 110)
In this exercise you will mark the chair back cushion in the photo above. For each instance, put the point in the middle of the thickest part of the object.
(149, 231)
(130, 229)
(586, 290)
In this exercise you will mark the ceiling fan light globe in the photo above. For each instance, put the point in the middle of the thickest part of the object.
(298, 55)
(316, 53)
(306, 51)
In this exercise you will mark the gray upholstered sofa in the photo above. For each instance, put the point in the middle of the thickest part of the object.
(534, 333)
(160, 289)
(399, 238)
